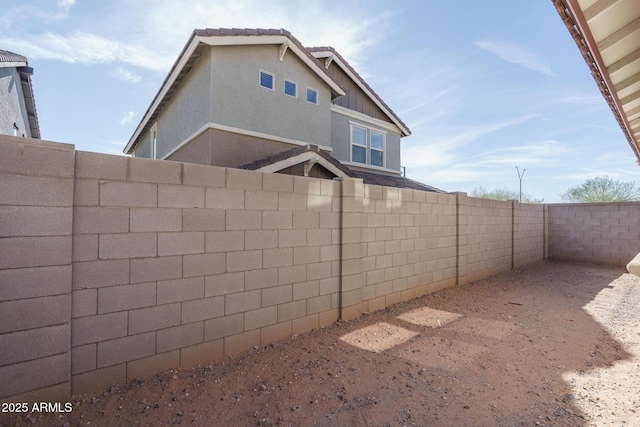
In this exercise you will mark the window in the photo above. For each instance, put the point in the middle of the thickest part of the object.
(312, 96)
(266, 80)
(377, 148)
(290, 88)
(367, 146)
(358, 145)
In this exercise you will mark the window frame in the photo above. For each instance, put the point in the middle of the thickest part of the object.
(372, 148)
(273, 79)
(316, 95)
(368, 145)
(295, 86)
(352, 143)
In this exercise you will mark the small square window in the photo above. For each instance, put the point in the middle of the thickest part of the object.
(312, 96)
(266, 80)
(290, 88)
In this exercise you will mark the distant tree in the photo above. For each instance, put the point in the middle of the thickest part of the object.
(602, 189)
(503, 193)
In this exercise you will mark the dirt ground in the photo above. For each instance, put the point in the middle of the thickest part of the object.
(553, 344)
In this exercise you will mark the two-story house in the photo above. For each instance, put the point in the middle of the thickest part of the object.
(17, 106)
(258, 99)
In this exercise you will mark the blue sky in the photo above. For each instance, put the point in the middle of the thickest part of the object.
(483, 85)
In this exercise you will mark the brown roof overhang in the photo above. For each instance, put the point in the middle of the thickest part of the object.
(618, 30)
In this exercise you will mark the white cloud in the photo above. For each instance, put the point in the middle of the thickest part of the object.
(515, 54)
(127, 117)
(87, 48)
(66, 4)
(152, 34)
(444, 149)
(125, 75)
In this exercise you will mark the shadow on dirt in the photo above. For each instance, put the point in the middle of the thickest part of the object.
(490, 353)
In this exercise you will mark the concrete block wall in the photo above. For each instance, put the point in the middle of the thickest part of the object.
(485, 237)
(398, 244)
(529, 234)
(178, 264)
(127, 267)
(602, 233)
(36, 203)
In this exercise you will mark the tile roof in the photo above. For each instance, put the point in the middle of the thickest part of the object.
(367, 177)
(6, 56)
(296, 151)
(394, 181)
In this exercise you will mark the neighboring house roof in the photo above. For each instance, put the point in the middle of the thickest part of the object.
(313, 154)
(308, 153)
(394, 181)
(329, 55)
(607, 33)
(225, 36)
(10, 59)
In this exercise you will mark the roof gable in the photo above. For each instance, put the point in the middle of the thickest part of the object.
(330, 56)
(10, 59)
(226, 37)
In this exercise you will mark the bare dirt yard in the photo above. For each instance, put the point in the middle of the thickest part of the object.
(553, 344)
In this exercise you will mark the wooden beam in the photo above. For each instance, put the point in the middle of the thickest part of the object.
(597, 8)
(632, 112)
(630, 98)
(619, 35)
(623, 62)
(627, 82)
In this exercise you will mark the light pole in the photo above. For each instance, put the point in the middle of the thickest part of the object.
(520, 177)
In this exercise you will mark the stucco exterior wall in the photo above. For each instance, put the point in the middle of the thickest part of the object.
(240, 101)
(223, 89)
(216, 147)
(189, 109)
(12, 107)
(341, 140)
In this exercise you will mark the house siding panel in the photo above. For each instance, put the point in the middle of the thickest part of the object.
(249, 106)
(355, 99)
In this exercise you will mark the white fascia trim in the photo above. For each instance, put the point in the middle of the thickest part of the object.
(365, 126)
(376, 168)
(239, 131)
(12, 64)
(279, 40)
(344, 68)
(304, 157)
(364, 118)
(187, 56)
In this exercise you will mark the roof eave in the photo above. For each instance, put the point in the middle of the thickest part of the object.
(579, 30)
(344, 65)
